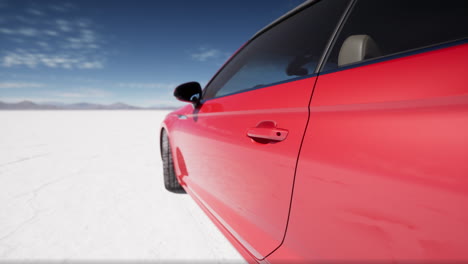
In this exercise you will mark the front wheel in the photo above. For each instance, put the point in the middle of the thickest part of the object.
(170, 180)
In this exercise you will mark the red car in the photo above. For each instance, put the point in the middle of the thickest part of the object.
(337, 133)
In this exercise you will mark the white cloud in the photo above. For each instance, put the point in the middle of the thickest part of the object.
(206, 54)
(51, 32)
(88, 94)
(88, 36)
(63, 25)
(24, 98)
(7, 85)
(63, 7)
(83, 23)
(41, 39)
(18, 40)
(67, 43)
(91, 65)
(70, 95)
(25, 31)
(6, 31)
(170, 102)
(65, 61)
(83, 93)
(87, 39)
(43, 44)
(26, 20)
(13, 59)
(36, 12)
(29, 32)
(164, 86)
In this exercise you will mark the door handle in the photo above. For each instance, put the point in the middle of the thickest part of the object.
(267, 130)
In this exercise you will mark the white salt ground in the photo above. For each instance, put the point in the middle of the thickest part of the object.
(87, 186)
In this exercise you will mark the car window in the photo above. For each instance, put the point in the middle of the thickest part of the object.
(290, 49)
(387, 27)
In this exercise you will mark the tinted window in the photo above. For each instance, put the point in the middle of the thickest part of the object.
(402, 25)
(288, 50)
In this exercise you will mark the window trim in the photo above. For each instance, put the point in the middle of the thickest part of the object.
(333, 38)
(387, 57)
(401, 54)
(263, 86)
(289, 14)
(281, 19)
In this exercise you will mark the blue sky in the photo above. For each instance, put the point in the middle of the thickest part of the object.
(120, 51)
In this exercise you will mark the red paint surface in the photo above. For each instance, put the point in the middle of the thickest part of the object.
(383, 171)
(382, 174)
(246, 185)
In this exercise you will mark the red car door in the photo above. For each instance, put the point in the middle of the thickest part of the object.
(237, 152)
(382, 174)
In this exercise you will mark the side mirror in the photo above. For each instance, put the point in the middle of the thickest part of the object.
(189, 92)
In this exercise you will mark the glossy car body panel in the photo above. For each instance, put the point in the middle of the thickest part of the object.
(240, 248)
(383, 170)
(246, 185)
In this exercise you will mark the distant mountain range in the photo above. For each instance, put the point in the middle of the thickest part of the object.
(28, 105)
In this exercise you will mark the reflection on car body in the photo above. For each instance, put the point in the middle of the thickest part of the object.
(339, 132)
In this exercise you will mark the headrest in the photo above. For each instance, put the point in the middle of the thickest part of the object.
(357, 48)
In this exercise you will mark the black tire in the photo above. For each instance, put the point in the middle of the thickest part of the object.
(170, 180)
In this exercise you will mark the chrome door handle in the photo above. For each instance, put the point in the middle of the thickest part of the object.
(273, 134)
(267, 131)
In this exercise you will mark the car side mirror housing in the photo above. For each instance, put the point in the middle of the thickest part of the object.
(189, 92)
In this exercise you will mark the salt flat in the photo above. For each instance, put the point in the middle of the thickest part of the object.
(87, 185)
